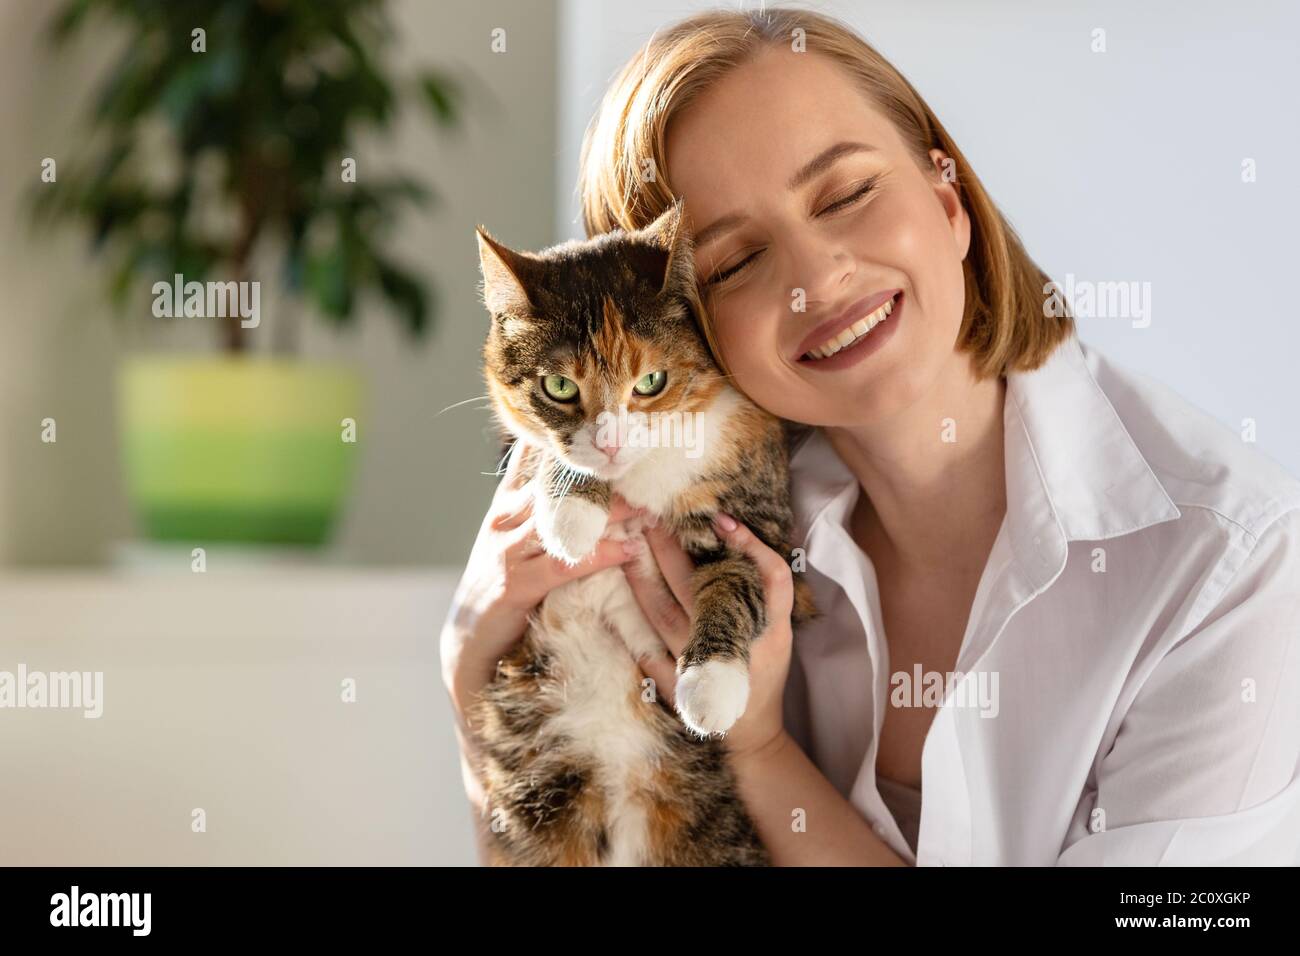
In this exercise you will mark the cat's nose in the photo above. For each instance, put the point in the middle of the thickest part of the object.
(610, 448)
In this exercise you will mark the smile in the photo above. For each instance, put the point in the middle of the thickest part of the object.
(851, 335)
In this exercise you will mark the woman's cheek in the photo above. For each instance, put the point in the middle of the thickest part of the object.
(922, 248)
(739, 345)
(749, 343)
(912, 243)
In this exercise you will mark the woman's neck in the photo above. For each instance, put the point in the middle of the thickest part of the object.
(933, 477)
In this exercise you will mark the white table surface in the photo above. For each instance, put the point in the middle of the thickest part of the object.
(222, 691)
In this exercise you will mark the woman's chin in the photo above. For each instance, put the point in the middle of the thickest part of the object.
(856, 403)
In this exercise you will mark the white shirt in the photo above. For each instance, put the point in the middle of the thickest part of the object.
(1139, 613)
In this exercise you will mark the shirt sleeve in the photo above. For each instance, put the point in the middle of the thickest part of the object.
(1203, 771)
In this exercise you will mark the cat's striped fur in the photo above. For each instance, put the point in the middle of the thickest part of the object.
(582, 764)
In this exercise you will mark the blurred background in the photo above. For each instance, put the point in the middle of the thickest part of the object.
(283, 679)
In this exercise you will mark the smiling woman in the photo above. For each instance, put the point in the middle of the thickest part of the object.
(980, 501)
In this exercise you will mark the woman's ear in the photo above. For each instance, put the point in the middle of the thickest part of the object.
(947, 189)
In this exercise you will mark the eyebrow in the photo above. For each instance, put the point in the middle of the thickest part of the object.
(813, 168)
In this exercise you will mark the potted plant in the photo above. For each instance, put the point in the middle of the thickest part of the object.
(223, 139)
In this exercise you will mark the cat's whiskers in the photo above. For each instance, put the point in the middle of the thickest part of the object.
(476, 398)
(501, 465)
(567, 480)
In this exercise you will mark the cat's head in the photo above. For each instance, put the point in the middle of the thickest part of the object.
(593, 351)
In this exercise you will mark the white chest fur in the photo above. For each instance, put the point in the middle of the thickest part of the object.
(665, 472)
(588, 627)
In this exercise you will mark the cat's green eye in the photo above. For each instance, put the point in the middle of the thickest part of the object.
(559, 388)
(651, 384)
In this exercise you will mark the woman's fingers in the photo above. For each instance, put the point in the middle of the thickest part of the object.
(521, 541)
(675, 565)
(514, 505)
(660, 607)
(529, 577)
(608, 554)
(520, 533)
(777, 578)
(620, 510)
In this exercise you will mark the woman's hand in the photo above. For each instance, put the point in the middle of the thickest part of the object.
(507, 576)
(669, 610)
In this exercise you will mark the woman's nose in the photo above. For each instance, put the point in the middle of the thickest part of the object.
(821, 267)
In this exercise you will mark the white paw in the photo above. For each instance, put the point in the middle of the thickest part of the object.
(571, 528)
(712, 696)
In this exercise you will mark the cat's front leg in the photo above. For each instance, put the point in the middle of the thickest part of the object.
(571, 511)
(713, 669)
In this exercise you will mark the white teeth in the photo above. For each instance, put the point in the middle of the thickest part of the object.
(852, 333)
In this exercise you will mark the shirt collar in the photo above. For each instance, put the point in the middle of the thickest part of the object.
(1073, 471)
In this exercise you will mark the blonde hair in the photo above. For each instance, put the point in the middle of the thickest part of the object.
(1004, 326)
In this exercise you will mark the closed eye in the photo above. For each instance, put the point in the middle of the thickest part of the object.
(851, 198)
(844, 203)
(728, 273)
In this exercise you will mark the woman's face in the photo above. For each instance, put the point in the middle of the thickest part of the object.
(809, 215)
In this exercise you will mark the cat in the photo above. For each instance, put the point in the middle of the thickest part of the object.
(581, 763)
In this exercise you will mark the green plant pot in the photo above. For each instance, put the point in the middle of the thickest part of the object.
(237, 449)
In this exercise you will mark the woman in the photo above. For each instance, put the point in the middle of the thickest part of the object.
(979, 495)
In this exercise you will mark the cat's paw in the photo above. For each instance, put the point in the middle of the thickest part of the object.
(712, 696)
(571, 528)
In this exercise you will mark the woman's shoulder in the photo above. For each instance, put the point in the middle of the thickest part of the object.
(1223, 562)
(1201, 462)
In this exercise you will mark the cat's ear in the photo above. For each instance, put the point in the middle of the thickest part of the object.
(670, 234)
(507, 276)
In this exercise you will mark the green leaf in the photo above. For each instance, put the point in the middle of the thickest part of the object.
(405, 293)
(328, 283)
(67, 21)
(442, 96)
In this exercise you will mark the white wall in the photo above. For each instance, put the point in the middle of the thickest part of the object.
(1118, 166)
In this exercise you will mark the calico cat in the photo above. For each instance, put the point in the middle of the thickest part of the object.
(582, 764)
